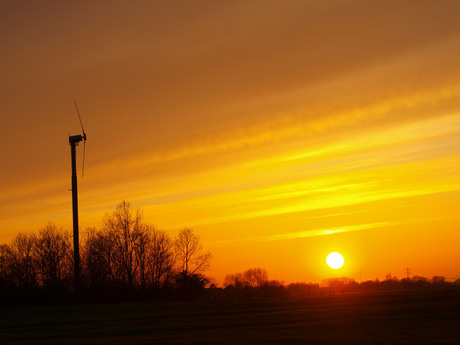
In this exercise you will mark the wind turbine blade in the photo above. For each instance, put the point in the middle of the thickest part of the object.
(78, 113)
(83, 166)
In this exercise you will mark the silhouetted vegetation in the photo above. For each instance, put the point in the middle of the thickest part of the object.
(129, 260)
(254, 283)
(125, 260)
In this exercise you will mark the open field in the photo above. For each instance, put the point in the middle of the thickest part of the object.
(427, 317)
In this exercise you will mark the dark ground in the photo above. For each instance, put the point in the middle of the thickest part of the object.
(428, 317)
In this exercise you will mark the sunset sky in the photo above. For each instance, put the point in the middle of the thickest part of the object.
(279, 131)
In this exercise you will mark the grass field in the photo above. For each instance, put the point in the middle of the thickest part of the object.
(398, 318)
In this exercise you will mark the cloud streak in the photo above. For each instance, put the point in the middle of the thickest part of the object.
(308, 233)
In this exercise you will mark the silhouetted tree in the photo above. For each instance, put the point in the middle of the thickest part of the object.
(190, 285)
(253, 277)
(124, 255)
(53, 255)
(236, 280)
(98, 258)
(141, 251)
(339, 285)
(5, 263)
(189, 253)
(23, 262)
(160, 258)
(420, 281)
(438, 280)
(256, 277)
(126, 231)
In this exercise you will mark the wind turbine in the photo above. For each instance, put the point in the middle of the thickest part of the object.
(73, 141)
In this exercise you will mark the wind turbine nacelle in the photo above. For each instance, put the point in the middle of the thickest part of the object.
(75, 139)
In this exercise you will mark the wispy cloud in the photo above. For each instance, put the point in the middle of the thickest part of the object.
(308, 233)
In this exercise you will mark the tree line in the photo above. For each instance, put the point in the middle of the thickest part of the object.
(254, 283)
(125, 259)
(128, 259)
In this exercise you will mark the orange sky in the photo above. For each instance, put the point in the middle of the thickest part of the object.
(278, 130)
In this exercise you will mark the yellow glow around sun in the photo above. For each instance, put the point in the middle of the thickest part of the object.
(335, 260)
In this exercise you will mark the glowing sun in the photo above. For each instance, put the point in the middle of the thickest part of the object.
(335, 260)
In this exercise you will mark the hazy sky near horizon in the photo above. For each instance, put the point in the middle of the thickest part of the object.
(287, 127)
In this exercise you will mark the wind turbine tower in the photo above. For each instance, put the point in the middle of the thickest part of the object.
(73, 141)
